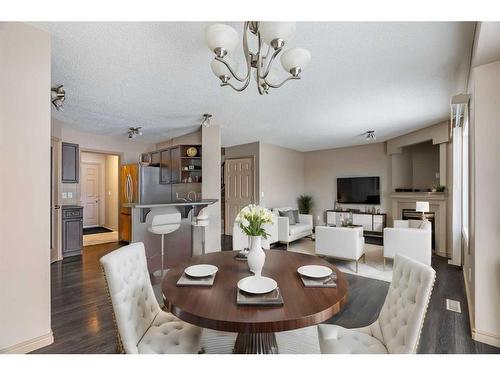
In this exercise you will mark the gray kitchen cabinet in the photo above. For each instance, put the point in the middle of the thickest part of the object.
(72, 230)
(165, 167)
(175, 158)
(70, 162)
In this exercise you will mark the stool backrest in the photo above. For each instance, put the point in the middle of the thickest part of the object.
(132, 296)
(166, 219)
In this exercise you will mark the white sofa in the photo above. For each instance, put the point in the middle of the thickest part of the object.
(341, 243)
(240, 239)
(288, 233)
(399, 324)
(409, 239)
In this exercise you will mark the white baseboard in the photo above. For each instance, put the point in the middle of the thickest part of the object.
(486, 338)
(29, 345)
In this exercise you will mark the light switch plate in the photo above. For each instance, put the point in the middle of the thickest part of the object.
(65, 195)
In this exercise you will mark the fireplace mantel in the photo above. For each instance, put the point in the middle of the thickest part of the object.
(438, 205)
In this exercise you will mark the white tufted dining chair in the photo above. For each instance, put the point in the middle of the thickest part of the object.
(142, 326)
(398, 327)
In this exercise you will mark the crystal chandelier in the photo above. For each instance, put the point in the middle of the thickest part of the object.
(222, 40)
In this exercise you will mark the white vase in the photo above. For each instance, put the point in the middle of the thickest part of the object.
(256, 256)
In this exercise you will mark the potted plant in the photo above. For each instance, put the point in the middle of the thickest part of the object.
(440, 188)
(305, 203)
(251, 220)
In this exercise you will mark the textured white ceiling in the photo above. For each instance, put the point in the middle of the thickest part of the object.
(389, 77)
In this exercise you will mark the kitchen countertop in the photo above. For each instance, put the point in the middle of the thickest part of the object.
(172, 204)
(70, 206)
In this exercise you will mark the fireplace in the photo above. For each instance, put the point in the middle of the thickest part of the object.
(408, 214)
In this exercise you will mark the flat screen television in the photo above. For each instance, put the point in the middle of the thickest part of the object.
(358, 190)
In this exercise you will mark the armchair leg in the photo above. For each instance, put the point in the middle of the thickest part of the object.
(287, 244)
(357, 266)
(384, 263)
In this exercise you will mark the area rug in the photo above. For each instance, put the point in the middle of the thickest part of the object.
(373, 267)
(299, 341)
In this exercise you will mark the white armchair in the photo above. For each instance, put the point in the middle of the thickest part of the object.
(412, 238)
(341, 243)
(288, 233)
(240, 239)
(398, 327)
(142, 326)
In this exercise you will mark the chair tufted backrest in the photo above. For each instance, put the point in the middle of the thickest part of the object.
(402, 315)
(132, 296)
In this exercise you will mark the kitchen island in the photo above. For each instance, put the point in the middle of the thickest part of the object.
(179, 245)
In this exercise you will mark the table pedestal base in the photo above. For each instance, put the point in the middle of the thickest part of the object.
(256, 343)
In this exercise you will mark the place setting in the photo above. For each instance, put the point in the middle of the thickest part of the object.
(198, 275)
(258, 290)
(315, 276)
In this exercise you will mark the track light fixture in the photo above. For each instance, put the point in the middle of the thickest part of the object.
(57, 96)
(370, 135)
(206, 120)
(134, 132)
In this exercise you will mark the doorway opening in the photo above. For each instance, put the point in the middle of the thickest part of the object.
(99, 196)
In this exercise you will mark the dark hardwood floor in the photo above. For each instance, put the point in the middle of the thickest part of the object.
(82, 320)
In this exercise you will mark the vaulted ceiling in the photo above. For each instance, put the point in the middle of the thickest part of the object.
(389, 77)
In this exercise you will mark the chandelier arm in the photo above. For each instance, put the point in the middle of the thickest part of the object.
(234, 87)
(280, 84)
(271, 62)
(259, 65)
(235, 76)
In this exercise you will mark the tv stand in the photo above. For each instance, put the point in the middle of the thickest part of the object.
(373, 224)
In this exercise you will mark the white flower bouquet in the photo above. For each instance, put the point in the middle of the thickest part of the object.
(252, 218)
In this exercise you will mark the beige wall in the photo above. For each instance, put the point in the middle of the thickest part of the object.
(25, 161)
(211, 185)
(111, 192)
(323, 167)
(485, 239)
(193, 138)
(416, 166)
(244, 150)
(128, 149)
(281, 176)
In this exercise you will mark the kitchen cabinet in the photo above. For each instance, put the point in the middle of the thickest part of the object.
(155, 159)
(72, 230)
(165, 167)
(175, 157)
(70, 163)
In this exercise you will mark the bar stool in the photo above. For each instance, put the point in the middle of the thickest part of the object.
(163, 224)
(201, 221)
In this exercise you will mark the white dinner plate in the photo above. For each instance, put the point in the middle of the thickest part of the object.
(201, 270)
(316, 272)
(257, 284)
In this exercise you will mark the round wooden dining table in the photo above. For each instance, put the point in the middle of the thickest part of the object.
(215, 307)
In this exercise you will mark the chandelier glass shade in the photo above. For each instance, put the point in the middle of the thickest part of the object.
(271, 39)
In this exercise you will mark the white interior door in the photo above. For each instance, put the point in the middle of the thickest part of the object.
(90, 194)
(239, 188)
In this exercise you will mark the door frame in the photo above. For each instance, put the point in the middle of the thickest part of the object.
(120, 159)
(99, 189)
(225, 184)
(56, 251)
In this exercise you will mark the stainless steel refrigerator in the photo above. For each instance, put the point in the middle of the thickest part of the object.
(140, 185)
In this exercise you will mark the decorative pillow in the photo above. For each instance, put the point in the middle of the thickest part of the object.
(289, 214)
(296, 216)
